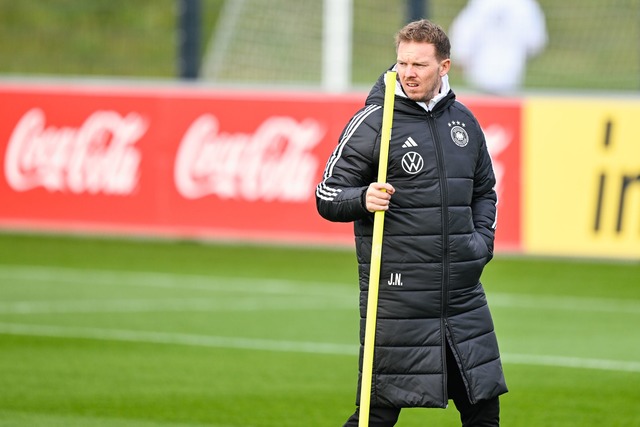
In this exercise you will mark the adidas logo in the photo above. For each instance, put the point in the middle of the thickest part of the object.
(409, 143)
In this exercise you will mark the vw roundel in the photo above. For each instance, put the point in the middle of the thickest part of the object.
(412, 162)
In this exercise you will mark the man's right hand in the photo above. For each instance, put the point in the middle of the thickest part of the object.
(378, 196)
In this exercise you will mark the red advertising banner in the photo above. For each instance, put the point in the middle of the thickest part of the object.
(501, 121)
(193, 162)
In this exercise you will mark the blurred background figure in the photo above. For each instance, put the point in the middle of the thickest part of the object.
(493, 39)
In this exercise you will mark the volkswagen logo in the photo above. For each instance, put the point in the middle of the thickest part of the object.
(412, 162)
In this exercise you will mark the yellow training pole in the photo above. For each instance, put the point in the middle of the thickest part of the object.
(376, 255)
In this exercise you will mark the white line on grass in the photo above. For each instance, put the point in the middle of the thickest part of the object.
(176, 338)
(564, 303)
(171, 281)
(255, 286)
(258, 303)
(282, 346)
(34, 418)
(571, 362)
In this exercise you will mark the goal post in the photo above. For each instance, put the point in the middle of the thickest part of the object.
(336, 45)
(302, 42)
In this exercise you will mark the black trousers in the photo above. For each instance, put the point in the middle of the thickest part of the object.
(485, 413)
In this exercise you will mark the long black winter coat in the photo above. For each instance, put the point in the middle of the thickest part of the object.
(438, 236)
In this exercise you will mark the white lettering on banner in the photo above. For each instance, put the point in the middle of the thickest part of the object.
(273, 164)
(498, 139)
(97, 157)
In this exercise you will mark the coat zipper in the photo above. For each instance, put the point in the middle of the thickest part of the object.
(445, 262)
(444, 199)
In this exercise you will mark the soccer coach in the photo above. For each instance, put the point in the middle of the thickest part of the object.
(435, 337)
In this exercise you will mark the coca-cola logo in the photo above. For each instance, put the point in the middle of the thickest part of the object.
(98, 157)
(274, 163)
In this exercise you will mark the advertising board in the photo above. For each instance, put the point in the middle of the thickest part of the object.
(198, 163)
(582, 180)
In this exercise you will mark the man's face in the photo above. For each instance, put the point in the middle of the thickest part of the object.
(419, 70)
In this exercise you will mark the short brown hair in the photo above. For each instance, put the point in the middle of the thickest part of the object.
(425, 31)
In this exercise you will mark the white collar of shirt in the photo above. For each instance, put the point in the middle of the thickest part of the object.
(444, 90)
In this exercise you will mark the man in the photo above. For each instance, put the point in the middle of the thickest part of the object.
(434, 337)
(493, 40)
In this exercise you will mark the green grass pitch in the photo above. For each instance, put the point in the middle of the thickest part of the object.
(106, 332)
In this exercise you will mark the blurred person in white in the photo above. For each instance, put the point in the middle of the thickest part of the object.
(492, 40)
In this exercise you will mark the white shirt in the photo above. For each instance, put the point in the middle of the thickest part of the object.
(492, 40)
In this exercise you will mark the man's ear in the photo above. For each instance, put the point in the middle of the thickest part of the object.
(445, 67)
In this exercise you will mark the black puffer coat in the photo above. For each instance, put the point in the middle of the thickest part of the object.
(438, 236)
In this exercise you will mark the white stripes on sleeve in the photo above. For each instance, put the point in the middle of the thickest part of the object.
(323, 191)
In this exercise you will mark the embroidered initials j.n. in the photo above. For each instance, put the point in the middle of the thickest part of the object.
(395, 279)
